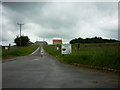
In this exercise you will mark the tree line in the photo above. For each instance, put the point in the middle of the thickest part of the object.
(92, 40)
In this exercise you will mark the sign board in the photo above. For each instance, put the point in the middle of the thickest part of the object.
(66, 48)
(6, 48)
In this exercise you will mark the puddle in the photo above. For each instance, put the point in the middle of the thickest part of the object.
(94, 82)
(36, 59)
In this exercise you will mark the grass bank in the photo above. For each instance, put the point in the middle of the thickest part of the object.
(101, 55)
(0, 53)
(18, 51)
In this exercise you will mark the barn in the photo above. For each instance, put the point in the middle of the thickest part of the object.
(57, 41)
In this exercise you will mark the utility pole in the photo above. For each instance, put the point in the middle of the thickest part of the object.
(20, 31)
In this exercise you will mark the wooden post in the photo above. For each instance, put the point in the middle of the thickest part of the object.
(78, 48)
(9, 46)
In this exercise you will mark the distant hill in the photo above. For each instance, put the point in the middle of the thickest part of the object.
(92, 40)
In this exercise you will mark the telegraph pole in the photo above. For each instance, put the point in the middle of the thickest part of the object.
(20, 31)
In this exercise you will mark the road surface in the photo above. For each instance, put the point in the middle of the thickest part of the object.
(44, 71)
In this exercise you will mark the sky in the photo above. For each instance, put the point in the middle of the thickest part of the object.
(65, 20)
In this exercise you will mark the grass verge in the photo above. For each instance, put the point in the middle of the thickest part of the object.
(97, 55)
(18, 51)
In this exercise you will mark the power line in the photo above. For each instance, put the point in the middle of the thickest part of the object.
(20, 31)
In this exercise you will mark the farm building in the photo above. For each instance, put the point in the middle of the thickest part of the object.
(57, 41)
(41, 42)
(4, 46)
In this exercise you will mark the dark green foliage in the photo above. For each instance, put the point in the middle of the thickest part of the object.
(92, 40)
(24, 41)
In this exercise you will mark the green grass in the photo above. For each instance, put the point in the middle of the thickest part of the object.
(0, 53)
(18, 51)
(102, 55)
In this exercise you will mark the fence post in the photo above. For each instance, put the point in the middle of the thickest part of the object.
(78, 48)
(9, 46)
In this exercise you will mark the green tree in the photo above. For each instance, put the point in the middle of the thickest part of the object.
(24, 41)
(92, 40)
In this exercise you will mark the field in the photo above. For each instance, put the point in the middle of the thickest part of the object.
(0, 53)
(102, 55)
(18, 51)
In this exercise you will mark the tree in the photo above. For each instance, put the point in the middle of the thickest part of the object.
(24, 41)
(92, 40)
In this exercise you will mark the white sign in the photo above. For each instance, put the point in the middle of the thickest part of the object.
(6, 48)
(66, 48)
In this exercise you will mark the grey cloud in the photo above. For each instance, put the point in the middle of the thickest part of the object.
(65, 20)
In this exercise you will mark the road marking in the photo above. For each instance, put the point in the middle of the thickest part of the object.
(35, 51)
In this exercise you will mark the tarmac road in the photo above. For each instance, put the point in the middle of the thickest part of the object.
(44, 71)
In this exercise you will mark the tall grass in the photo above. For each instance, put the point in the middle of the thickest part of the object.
(18, 51)
(0, 53)
(103, 56)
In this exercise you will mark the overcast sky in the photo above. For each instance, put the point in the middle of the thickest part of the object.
(66, 20)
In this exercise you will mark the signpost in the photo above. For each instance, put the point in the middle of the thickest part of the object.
(66, 48)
